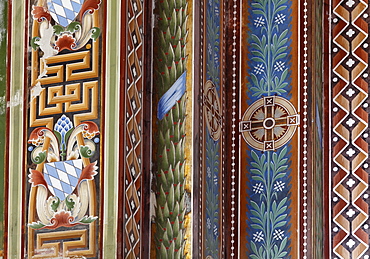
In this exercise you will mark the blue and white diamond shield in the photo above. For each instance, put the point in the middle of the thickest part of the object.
(62, 177)
(64, 11)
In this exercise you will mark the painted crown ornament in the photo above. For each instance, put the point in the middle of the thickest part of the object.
(64, 154)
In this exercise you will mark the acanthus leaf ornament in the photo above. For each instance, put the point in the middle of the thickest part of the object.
(63, 193)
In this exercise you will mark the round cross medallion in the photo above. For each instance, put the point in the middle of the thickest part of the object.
(212, 110)
(269, 123)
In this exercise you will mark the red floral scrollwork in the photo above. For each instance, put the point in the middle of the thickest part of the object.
(39, 13)
(61, 219)
(88, 173)
(90, 6)
(37, 178)
(65, 42)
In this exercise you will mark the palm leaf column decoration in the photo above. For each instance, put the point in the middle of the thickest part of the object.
(169, 83)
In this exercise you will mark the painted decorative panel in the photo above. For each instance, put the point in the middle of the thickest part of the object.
(64, 125)
(271, 176)
(212, 131)
(134, 118)
(349, 118)
(171, 129)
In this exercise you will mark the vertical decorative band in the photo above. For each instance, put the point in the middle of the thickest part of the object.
(170, 63)
(269, 92)
(212, 96)
(133, 191)
(349, 135)
(64, 125)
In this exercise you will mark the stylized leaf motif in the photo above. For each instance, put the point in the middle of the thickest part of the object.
(268, 212)
(69, 203)
(39, 157)
(55, 204)
(36, 225)
(170, 63)
(267, 46)
(88, 220)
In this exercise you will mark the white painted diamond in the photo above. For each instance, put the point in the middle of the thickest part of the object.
(67, 4)
(350, 3)
(350, 243)
(350, 122)
(350, 182)
(350, 32)
(350, 62)
(350, 152)
(350, 213)
(350, 92)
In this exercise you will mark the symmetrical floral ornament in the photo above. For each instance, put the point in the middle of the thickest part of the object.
(65, 180)
(269, 123)
(61, 28)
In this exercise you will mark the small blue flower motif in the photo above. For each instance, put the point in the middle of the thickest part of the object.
(209, 173)
(209, 224)
(63, 125)
(279, 66)
(279, 186)
(258, 188)
(215, 179)
(259, 22)
(278, 234)
(280, 18)
(258, 236)
(210, 3)
(259, 69)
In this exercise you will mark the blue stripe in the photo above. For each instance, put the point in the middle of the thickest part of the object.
(170, 98)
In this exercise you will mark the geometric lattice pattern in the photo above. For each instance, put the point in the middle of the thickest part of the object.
(133, 176)
(349, 167)
(64, 11)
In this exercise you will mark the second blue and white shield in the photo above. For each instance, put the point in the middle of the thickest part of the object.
(62, 177)
(64, 11)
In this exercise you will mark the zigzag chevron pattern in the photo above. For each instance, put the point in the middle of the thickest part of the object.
(350, 121)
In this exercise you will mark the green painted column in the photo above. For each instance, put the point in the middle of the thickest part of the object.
(111, 132)
(16, 126)
(3, 46)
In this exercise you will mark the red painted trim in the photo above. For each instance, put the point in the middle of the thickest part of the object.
(25, 122)
(103, 8)
(326, 126)
(122, 134)
(147, 135)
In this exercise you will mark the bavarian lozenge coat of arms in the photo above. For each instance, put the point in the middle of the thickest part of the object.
(65, 181)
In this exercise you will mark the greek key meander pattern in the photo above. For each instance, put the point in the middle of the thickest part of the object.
(134, 121)
(71, 85)
(349, 169)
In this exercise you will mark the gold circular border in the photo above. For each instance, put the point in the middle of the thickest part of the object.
(247, 135)
(214, 135)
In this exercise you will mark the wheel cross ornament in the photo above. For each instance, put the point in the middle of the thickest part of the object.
(212, 110)
(269, 123)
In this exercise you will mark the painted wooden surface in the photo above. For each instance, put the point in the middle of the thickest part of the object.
(3, 72)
